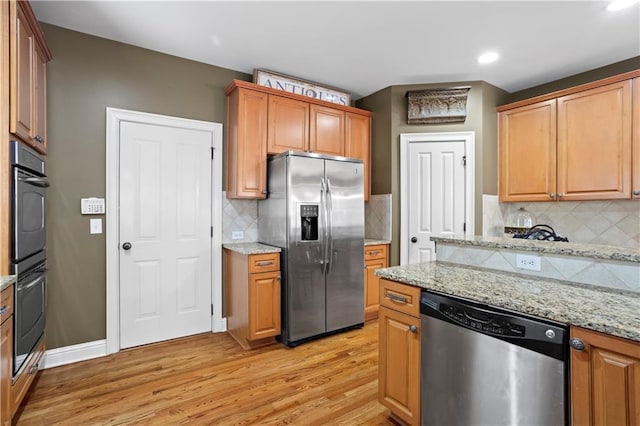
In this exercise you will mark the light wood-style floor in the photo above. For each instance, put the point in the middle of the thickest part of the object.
(209, 379)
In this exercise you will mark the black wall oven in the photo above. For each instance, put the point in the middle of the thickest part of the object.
(28, 250)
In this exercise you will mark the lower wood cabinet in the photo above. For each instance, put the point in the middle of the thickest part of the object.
(399, 352)
(605, 379)
(375, 257)
(252, 297)
(6, 355)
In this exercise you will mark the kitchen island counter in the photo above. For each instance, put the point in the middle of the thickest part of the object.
(601, 309)
(6, 281)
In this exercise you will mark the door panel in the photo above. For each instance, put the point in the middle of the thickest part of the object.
(165, 213)
(345, 281)
(436, 195)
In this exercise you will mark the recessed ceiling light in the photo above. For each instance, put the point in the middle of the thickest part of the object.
(620, 4)
(487, 58)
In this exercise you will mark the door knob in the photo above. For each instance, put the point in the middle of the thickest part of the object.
(126, 246)
(414, 240)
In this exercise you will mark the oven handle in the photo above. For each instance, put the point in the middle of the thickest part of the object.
(31, 284)
(35, 181)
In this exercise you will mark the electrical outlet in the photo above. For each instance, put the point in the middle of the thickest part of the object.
(237, 235)
(527, 261)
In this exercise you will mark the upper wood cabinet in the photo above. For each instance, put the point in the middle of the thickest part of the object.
(287, 122)
(28, 88)
(572, 145)
(246, 144)
(358, 144)
(605, 380)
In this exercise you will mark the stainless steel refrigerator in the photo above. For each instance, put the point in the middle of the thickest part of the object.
(314, 212)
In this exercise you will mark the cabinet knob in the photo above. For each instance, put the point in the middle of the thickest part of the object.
(636, 192)
(552, 195)
(3, 309)
(577, 344)
(413, 328)
(560, 194)
(264, 191)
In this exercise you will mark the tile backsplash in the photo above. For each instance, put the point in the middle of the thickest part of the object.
(239, 216)
(614, 223)
(377, 217)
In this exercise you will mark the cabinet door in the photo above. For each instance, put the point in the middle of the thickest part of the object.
(22, 81)
(326, 134)
(605, 380)
(264, 305)
(594, 143)
(527, 152)
(358, 144)
(399, 364)
(371, 287)
(635, 149)
(39, 133)
(6, 338)
(288, 125)
(246, 144)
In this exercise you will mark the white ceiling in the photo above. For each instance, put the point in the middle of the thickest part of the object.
(366, 46)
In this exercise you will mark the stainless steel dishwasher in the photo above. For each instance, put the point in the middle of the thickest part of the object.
(486, 366)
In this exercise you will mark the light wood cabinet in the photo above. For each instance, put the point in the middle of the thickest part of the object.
(263, 121)
(571, 145)
(246, 144)
(358, 144)
(399, 352)
(6, 354)
(28, 74)
(635, 143)
(605, 380)
(375, 257)
(252, 297)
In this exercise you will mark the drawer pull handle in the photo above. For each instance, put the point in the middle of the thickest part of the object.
(3, 310)
(397, 298)
(264, 263)
(374, 252)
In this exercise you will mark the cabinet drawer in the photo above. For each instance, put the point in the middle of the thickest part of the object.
(400, 297)
(6, 304)
(375, 252)
(264, 262)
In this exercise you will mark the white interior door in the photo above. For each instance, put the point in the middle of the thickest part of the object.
(434, 193)
(165, 222)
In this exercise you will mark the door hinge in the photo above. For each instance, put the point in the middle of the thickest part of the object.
(213, 153)
(212, 232)
(212, 309)
(464, 227)
(464, 160)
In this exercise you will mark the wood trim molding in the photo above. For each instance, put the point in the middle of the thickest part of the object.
(252, 86)
(5, 169)
(571, 90)
(37, 30)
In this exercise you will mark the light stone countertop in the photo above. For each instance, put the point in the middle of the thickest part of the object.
(6, 281)
(251, 248)
(373, 242)
(594, 251)
(614, 312)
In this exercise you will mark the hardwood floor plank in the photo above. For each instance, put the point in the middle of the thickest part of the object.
(210, 379)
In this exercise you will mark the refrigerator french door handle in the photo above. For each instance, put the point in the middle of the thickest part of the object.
(329, 197)
(323, 208)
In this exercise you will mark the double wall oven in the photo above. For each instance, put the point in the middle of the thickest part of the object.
(28, 254)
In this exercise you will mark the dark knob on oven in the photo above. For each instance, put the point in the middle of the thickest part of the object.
(414, 240)
(126, 246)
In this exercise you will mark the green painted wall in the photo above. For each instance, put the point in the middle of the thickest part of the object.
(88, 74)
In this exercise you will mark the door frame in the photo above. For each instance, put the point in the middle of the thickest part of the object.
(406, 139)
(114, 117)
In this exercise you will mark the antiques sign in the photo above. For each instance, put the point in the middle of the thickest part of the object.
(301, 87)
(437, 106)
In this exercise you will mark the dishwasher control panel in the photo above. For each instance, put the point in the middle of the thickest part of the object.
(482, 322)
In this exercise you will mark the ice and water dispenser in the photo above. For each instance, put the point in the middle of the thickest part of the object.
(309, 222)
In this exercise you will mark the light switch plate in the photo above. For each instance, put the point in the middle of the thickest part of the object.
(527, 261)
(96, 226)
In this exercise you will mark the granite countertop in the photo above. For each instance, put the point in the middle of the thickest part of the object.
(373, 242)
(614, 312)
(594, 251)
(251, 248)
(6, 281)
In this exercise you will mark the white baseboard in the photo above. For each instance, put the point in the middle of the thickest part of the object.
(74, 353)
